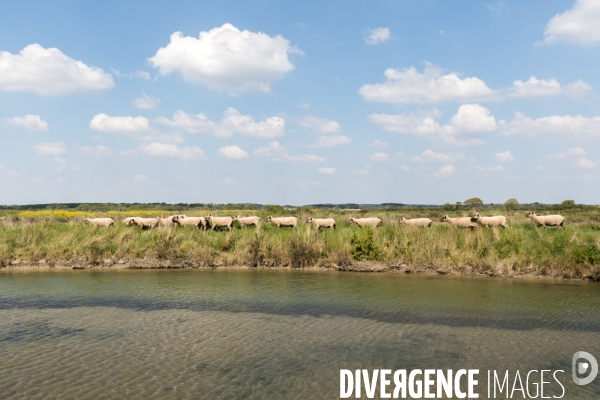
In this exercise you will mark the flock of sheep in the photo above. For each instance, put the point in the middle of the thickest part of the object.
(227, 222)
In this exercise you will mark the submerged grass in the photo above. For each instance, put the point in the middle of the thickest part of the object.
(519, 250)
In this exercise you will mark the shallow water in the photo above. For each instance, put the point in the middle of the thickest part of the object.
(277, 334)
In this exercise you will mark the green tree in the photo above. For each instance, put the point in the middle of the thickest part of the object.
(511, 204)
(473, 202)
(567, 204)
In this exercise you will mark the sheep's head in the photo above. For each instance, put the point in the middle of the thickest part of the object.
(475, 215)
(401, 220)
(269, 218)
(309, 220)
(530, 214)
(444, 218)
(351, 220)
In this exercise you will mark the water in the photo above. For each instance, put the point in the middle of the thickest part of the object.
(277, 334)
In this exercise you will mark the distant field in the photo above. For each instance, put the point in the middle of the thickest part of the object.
(61, 238)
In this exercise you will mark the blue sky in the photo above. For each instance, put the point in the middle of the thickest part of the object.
(299, 102)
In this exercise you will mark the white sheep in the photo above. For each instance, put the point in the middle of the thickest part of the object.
(284, 221)
(365, 221)
(497, 220)
(184, 220)
(415, 221)
(144, 223)
(219, 221)
(461, 222)
(547, 220)
(322, 222)
(100, 221)
(165, 221)
(244, 221)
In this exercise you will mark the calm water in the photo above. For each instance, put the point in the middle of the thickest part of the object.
(276, 334)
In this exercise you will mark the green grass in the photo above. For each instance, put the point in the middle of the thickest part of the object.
(521, 249)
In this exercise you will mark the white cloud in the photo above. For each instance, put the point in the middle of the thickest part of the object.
(233, 152)
(226, 58)
(555, 157)
(585, 163)
(548, 87)
(98, 152)
(408, 86)
(145, 102)
(49, 72)
(559, 126)
(378, 144)
(322, 125)
(50, 149)
(304, 105)
(377, 157)
(581, 24)
(30, 122)
(445, 171)
(326, 171)
(576, 152)
(135, 74)
(232, 122)
(538, 168)
(140, 178)
(470, 120)
(496, 168)
(135, 127)
(429, 156)
(377, 35)
(504, 157)
(155, 149)
(362, 172)
(276, 152)
(330, 141)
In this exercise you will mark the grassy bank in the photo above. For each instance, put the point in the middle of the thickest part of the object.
(62, 239)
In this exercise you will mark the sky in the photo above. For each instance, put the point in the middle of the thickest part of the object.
(299, 102)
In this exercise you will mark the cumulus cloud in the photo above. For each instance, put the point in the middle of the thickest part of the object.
(156, 149)
(377, 35)
(49, 72)
(471, 120)
(572, 156)
(496, 168)
(581, 24)
(140, 178)
(321, 125)
(135, 74)
(30, 122)
(135, 127)
(548, 87)
(145, 102)
(225, 58)
(233, 152)
(377, 157)
(408, 86)
(445, 171)
(430, 156)
(330, 141)
(585, 163)
(97, 152)
(50, 149)
(231, 123)
(576, 152)
(326, 171)
(569, 127)
(378, 144)
(278, 153)
(504, 157)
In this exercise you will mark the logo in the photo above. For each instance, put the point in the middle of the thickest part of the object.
(581, 367)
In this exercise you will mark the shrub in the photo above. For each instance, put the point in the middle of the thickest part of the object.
(303, 252)
(363, 248)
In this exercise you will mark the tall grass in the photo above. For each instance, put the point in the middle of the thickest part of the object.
(520, 249)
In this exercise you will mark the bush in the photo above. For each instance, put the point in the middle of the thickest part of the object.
(303, 252)
(363, 248)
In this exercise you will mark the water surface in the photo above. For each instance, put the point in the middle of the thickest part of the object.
(276, 334)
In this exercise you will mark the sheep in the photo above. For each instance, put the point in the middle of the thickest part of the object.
(365, 221)
(462, 222)
(497, 220)
(166, 221)
(219, 221)
(415, 221)
(284, 221)
(100, 221)
(322, 222)
(547, 220)
(144, 223)
(253, 220)
(183, 220)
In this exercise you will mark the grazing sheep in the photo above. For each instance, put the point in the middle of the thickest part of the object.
(183, 220)
(322, 222)
(100, 221)
(547, 220)
(284, 221)
(497, 220)
(144, 223)
(365, 221)
(166, 221)
(244, 221)
(415, 221)
(462, 222)
(219, 221)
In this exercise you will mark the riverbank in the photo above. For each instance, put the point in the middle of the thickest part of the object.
(520, 250)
